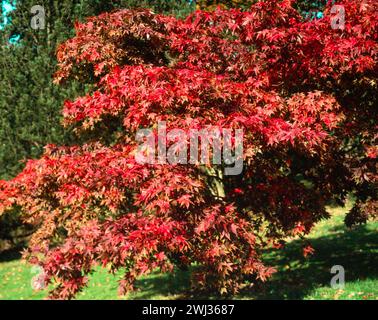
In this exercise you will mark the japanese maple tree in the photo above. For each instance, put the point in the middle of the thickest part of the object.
(303, 92)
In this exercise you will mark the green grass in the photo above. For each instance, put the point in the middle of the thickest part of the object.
(296, 277)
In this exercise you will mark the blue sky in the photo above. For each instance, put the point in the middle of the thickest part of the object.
(6, 8)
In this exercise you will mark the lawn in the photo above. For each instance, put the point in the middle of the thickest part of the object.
(296, 277)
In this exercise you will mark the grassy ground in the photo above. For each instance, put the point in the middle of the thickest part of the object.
(297, 278)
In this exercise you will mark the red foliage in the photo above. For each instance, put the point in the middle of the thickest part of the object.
(302, 92)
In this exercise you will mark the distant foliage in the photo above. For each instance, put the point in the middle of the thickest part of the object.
(304, 94)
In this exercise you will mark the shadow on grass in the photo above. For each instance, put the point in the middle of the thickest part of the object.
(10, 254)
(157, 285)
(296, 276)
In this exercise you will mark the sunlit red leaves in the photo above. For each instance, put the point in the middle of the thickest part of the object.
(265, 71)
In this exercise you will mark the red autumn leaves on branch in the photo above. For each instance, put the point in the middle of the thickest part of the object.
(303, 93)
